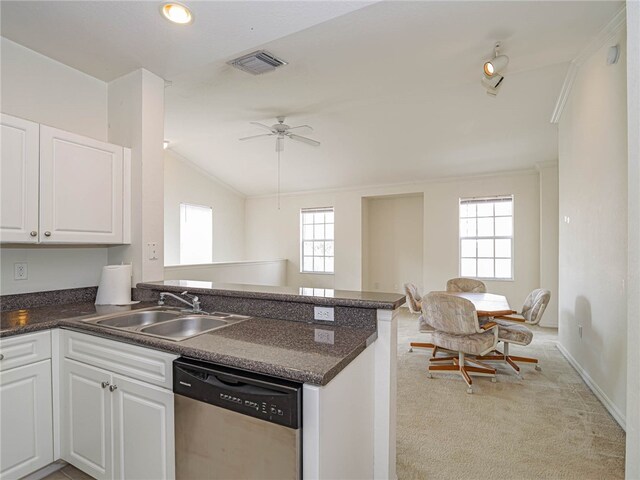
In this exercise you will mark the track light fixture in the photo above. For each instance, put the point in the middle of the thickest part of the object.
(492, 70)
(496, 64)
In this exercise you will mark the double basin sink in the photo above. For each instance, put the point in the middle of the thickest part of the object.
(168, 323)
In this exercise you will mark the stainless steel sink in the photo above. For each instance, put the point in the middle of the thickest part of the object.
(185, 327)
(138, 319)
(168, 323)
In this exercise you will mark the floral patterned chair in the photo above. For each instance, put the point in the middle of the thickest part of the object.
(414, 302)
(466, 285)
(512, 330)
(457, 329)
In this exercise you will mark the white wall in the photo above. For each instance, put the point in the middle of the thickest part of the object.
(593, 233)
(441, 231)
(269, 272)
(273, 233)
(40, 89)
(549, 224)
(185, 183)
(633, 296)
(392, 230)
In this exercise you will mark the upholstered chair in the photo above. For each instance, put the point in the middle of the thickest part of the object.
(457, 329)
(470, 285)
(511, 329)
(414, 302)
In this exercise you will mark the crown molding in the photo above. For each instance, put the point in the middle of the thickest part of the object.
(401, 188)
(605, 35)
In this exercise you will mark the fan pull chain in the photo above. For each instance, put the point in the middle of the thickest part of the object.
(279, 179)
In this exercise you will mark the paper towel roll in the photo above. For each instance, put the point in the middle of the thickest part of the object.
(115, 285)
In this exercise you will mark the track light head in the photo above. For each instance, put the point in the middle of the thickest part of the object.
(497, 64)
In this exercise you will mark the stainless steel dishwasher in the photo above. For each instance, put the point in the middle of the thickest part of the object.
(231, 424)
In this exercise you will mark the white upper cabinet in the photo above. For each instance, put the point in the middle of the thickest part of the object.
(81, 189)
(59, 187)
(19, 180)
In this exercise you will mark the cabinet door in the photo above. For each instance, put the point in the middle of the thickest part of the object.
(86, 429)
(81, 189)
(18, 180)
(143, 431)
(26, 428)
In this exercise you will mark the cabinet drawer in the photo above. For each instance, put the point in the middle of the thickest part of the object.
(151, 366)
(24, 349)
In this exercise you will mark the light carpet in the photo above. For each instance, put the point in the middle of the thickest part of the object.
(547, 425)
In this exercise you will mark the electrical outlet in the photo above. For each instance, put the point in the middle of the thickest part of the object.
(324, 336)
(323, 313)
(153, 250)
(20, 271)
(580, 331)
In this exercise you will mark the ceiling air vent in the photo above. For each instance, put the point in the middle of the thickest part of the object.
(258, 62)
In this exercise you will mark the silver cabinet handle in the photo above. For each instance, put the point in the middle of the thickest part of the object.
(33, 233)
(47, 234)
(113, 387)
(105, 384)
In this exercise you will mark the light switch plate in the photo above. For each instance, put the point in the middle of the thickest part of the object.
(323, 313)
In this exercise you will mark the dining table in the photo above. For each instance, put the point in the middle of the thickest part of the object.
(487, 304)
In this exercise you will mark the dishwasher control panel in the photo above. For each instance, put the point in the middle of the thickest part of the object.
(271, 399)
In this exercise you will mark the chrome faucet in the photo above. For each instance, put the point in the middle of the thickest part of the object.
(194, 304)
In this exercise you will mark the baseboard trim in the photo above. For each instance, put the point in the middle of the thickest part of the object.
(593, 386)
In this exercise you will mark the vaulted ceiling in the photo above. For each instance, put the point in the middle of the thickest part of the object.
(391, 88)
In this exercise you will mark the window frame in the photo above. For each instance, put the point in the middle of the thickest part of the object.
(488, 199)
(190, 204)
(302, 240)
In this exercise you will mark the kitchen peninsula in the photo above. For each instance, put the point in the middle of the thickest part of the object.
(346, 365)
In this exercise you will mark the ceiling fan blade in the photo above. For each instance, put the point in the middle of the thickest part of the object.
(309, 127)
(279, 144)
(262, 125)
(304, 139)
(256, 136)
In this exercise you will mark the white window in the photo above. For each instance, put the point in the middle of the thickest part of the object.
(316, 240)
(196, 234)
(486, 237)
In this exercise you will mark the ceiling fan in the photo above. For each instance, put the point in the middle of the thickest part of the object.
(281, 130)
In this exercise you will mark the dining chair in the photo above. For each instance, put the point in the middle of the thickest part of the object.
(457, 329)
(511, 329)
(466, 285)
(414, 302)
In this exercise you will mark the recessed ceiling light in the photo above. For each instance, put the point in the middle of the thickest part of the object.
(177, 13)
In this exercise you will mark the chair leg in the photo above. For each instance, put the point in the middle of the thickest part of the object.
(420, 345)
(510, 360)
(466, 368)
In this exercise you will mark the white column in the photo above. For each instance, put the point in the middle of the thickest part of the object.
(136, 120)
(385, 392)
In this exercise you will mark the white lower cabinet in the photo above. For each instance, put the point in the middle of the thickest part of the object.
(86, 423)
(114, 426)
(26, 419)
(143, 430)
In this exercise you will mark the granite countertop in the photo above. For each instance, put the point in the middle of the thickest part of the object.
(280, 348)
(319, 296)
